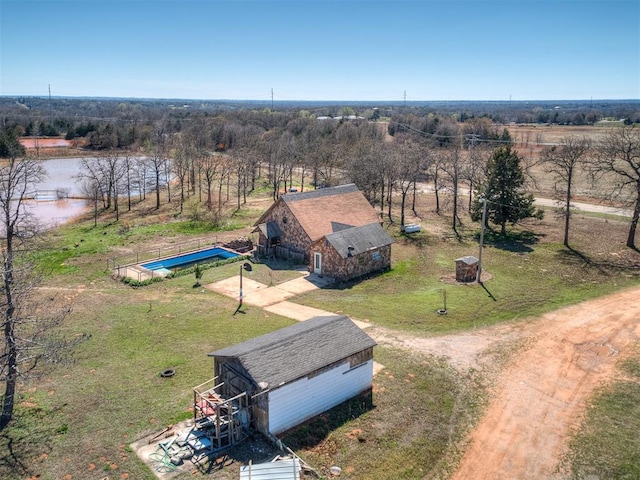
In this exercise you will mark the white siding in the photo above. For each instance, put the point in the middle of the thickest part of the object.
(296, 402)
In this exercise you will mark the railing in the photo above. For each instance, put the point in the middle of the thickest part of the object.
(225, 420)
(127, 266)
(280, 252)
(47, 195)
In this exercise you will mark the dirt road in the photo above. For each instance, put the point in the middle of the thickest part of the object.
(559, 360)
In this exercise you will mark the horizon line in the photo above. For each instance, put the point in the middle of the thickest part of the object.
(268, 101)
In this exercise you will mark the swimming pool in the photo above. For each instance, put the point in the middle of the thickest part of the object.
(189, 259)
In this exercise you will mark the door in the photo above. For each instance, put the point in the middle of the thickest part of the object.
(317, 263)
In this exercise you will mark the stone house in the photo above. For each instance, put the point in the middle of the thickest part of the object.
(334, 230)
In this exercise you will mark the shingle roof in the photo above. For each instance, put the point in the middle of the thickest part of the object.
(362, 239)
(296, 351)
(469, 260)
(270, 229)
(319, 193)
(320, 211)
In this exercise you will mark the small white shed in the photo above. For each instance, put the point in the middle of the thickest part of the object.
(298, 372)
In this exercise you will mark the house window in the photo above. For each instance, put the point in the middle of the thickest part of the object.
(285, 220)
(375, 255)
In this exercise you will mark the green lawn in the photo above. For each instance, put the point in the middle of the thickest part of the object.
(79, 419)
(522, 283)
(607, 444)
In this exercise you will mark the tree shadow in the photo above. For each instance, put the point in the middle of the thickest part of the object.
(488, 292)
(278, 264)
(11, 460)
(516, 242)
(419, 240)
(574, 257)
(29, 435)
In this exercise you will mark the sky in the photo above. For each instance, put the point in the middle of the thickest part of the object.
(358, 50)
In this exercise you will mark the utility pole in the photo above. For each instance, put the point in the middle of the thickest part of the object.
(272, 99)
(484, 219)
(50, 115)
(405, 98)
(246, 266)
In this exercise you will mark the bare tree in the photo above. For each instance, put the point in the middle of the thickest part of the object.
(562, 161)
(618, 158)
(91, 191)
(367, 169)
(128, 169)
(105, 172)
(28, 339)
(407, 166)
(452, 165)
(157, 161)
(225, 168)
(210, 166)
(476, 168)
(181, 167)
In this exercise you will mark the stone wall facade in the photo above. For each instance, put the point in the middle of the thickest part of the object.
(293, 235)
(344, 269)
(466, 272)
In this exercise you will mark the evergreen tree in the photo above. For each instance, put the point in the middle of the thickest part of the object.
(502, 190)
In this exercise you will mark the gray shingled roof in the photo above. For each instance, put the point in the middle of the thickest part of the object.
(321, 192)
(296, 351)
(469, 260)
(362, 239)
(270, 229)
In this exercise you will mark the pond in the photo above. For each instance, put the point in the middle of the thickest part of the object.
(49, 210)
(51, 213)
(59, 197)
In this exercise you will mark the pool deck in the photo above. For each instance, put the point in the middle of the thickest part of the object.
(139, 272)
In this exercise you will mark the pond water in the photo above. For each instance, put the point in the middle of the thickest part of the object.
(52, 212)
(61, 177)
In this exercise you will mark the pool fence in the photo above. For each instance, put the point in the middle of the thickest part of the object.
(129, 266)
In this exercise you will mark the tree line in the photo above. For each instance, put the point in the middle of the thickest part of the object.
(210, 165)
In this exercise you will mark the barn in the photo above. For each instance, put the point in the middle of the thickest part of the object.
(298, 372)
(334, 230)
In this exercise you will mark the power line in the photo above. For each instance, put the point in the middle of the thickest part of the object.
(435, 135)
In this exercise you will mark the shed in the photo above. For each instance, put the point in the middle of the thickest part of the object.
(466, 268)
(298, 372)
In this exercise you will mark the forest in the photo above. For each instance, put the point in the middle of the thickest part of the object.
(194, 152)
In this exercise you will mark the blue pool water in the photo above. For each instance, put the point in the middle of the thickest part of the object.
(188, 259)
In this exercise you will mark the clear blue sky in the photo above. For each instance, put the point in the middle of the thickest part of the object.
(322, 50)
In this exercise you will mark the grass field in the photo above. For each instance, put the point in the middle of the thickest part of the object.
(607, 444)
(76, 422)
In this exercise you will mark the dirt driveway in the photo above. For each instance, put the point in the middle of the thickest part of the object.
(558, 360)
(545, 370)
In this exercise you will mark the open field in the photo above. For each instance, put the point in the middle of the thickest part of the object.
(76, 422)
(531, 140)
(113, 395)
